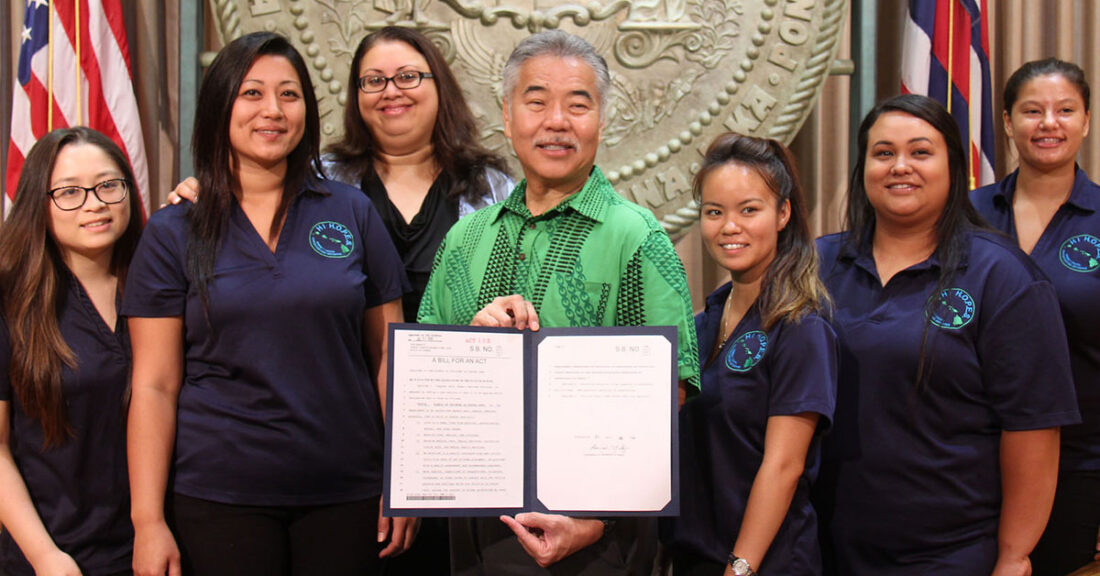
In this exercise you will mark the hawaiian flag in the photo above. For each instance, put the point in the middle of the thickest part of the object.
(946, 57)
(74, 69)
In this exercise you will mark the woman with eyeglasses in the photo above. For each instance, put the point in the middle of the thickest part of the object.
(65, 359)
(412, 145)
(258, 320)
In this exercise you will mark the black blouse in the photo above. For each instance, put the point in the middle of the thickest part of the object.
(416, 241)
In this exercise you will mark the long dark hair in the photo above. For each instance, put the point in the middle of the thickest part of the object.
(456, 145)
(1047, 67)
(791, 288)
(215, 159)
(959, 218)
(32, 285)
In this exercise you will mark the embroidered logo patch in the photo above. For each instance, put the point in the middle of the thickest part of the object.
(331, 240)
(1081, 253)
(954, 309)
(747, 351)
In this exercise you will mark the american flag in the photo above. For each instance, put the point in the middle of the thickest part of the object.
(946, 57)
(74, 70)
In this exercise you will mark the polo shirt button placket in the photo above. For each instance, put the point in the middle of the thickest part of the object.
(519, 241)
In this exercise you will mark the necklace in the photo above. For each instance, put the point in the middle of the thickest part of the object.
(726, 331)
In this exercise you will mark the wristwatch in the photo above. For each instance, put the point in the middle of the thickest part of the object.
(740, 566)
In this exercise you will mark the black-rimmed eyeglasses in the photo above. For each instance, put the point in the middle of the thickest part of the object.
(73, 197)
(405, 80)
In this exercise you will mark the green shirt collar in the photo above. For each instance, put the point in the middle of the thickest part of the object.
(591, 201)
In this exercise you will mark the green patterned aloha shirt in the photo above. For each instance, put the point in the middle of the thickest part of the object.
(593, 260)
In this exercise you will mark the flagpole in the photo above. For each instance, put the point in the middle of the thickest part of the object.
(969, 137)
(49, 66)
(950, 50)
(79, 66)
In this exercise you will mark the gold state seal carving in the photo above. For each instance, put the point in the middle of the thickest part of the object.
(682, 71)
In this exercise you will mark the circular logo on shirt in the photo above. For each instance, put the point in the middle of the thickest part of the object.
(331, 240)
(1081, 253)
(953, 310)
(747, 351)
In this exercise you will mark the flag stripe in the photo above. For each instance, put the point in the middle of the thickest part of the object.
(119, 105)
(97, 91)
(945, 56)
(64, 76)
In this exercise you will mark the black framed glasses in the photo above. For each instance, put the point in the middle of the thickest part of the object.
(73, 197)
(405, 80)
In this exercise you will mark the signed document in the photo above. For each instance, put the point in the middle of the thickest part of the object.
(485, 421)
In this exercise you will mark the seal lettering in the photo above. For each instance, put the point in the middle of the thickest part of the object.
(758, 103)
(781, 56)
(262, 7)
(801, 9)
(657, 191)
(683, 70)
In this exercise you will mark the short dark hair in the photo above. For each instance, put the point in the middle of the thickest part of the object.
(456, 145)
(213, 153)
(1045, 67)
(791, 287)
(560, 44)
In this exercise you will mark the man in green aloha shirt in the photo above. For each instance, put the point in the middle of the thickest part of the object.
(563, 250)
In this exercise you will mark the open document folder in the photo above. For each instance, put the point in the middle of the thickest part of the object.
(488, 421)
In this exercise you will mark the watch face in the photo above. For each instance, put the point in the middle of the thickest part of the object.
(741, 567)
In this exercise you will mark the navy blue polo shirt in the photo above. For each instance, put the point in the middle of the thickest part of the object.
(791, 369)
(80, 487)
(911, 480)
(1069, 253)
(278, 406)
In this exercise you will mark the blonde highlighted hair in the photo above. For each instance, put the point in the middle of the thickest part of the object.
(791, 288)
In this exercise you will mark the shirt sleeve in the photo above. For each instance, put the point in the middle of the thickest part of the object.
(386, 280)
(1025, 361)
(156, 284)
(803, 370)
(655, 293)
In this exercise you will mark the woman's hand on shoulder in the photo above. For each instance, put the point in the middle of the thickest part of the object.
(55, 563)
(155, 551)
(186, 190)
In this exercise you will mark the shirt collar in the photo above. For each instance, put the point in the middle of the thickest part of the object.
(1084, 196)
(863, 256)
(1005, 189)
(591, 201)
(1085, 192)
(717, 299)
